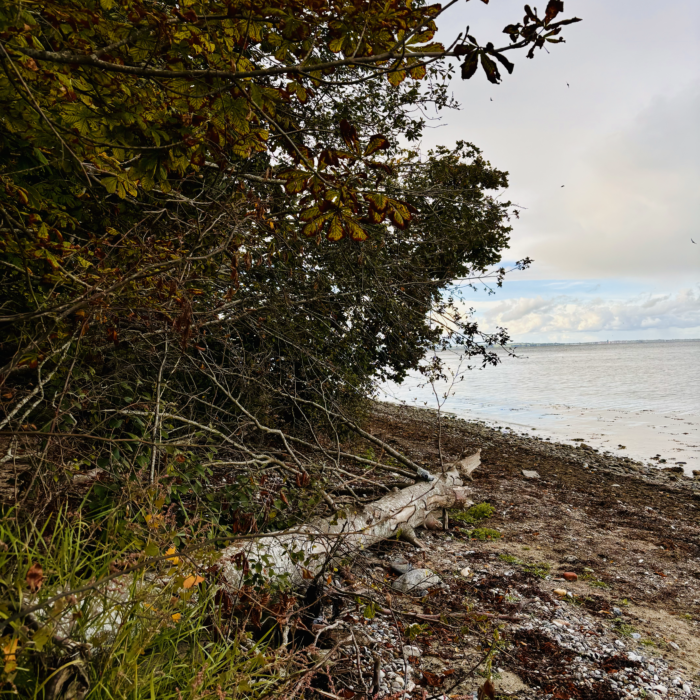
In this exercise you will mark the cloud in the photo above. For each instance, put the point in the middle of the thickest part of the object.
(564, 316)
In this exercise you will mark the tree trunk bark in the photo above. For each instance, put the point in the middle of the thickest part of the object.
(303, 552)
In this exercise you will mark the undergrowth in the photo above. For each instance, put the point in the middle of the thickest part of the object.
(158, 631)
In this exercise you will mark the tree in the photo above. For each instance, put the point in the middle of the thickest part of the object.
(215, 236)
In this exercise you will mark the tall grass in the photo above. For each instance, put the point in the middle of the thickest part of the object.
(154, 633)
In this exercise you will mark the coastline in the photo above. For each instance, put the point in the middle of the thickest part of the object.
(631, 534)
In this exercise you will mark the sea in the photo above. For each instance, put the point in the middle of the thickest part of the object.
(636, 399)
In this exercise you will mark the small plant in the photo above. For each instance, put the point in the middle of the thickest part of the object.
(415, 630)
(484, 533)
(510, 559)
(539, 569)
(591, 580)
(473, 515)
(625, 630)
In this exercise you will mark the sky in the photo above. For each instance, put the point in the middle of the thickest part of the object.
(601, 138)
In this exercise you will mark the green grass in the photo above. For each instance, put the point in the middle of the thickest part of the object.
(591, 580)
(155, 637)
(625, 630)
(510, 559)
(540, 569)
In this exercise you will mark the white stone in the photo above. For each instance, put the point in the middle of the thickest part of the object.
(466, 572)
(530, 474)
(411, 651)
(416, 581)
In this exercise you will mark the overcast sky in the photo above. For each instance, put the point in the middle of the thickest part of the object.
(612, 247)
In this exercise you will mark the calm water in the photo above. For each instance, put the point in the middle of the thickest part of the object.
(642, 397)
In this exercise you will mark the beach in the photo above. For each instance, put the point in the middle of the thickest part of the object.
(628, 626)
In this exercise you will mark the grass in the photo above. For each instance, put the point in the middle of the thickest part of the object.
(539, 569)
(510, 559)
(161, 634)
(625, 630)
(591, 580)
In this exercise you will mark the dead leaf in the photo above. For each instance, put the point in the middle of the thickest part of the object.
(487, 691)
(35, 577)
(10, 656)
(192, 581)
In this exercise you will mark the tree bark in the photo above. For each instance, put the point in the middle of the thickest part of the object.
(303, 552)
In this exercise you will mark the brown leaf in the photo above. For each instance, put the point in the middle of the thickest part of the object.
(35, 577)
(487, 691)
(432, 679)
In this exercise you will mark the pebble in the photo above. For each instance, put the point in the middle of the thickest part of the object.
(466, 572)
(411, 651)
(559, 591)
(530, 474)
(416, 581)
(570, 576)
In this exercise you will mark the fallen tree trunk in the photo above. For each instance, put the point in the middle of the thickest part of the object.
(305, 551)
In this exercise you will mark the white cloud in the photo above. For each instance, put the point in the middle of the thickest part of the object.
(566, 317)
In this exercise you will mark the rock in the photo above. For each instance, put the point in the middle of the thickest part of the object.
(466, 572)
(416, 581)
(559, 591)
(617, 612)
(561, 623)
(400, 567)
(686, 689)
(674, 645)
(570, 576)
(636, 635)
(530, 474)
(409, 651)
(660, 689)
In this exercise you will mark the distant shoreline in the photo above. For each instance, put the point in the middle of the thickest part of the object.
(597, 342)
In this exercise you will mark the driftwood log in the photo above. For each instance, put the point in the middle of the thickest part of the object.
(303, 552)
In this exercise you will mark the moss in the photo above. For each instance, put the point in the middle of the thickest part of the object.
(473, 515)
(484, 533)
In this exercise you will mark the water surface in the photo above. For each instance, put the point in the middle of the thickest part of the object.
(638, 399)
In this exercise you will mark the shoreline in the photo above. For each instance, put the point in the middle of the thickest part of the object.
(629, 626)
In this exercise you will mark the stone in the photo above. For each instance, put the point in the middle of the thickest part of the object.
(466, 572)
(561, 623)
(416, 581)
(400, 567)
(559, 591)
(617, 612)
(411, 651)
(530, 474)
(686, 689)
(570, 576)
